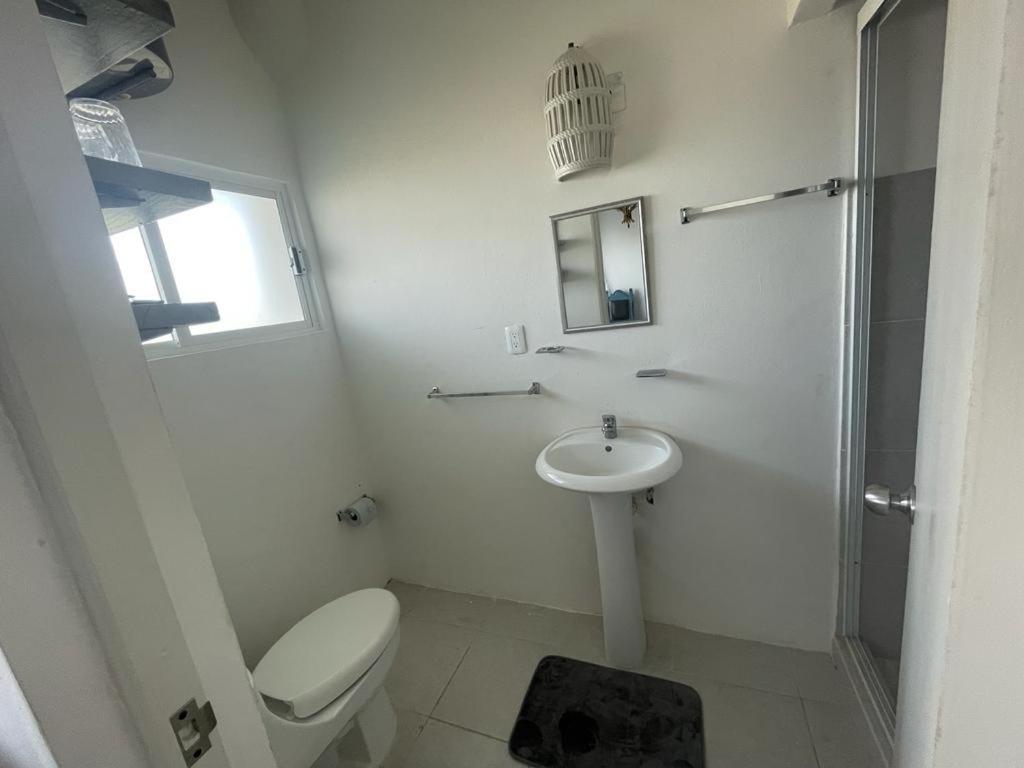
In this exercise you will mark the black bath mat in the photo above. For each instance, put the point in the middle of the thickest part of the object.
(579, 715)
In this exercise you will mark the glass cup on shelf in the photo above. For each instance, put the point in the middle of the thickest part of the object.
(102, 131)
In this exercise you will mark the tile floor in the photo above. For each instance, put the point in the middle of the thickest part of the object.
(464, 664)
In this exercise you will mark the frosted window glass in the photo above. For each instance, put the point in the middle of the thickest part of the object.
(233, 251)
(136, 270)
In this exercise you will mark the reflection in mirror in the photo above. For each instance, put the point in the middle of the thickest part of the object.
(602, 266)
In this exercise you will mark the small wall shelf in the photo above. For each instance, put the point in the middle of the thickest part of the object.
(88, 37)
(157, 318)
(131, 196)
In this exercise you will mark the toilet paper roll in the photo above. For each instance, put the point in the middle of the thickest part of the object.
(359, 513)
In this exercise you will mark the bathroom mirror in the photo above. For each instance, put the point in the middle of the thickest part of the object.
(602, 266)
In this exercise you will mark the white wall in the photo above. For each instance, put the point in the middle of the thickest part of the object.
(263, 432)
(51, 661)
(960, 685)
(421, 140)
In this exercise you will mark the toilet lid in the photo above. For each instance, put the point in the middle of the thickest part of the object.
(319, 658)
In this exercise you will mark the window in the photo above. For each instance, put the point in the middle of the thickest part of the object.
(236, 251)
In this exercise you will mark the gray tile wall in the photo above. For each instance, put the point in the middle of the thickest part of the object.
(899, 293)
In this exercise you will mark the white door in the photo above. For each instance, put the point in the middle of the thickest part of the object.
(76, 386)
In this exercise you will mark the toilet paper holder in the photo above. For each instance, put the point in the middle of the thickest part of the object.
(360, 512)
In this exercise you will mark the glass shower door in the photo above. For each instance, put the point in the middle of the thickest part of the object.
(901, 83)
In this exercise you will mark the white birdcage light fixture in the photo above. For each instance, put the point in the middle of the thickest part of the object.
(578, 112)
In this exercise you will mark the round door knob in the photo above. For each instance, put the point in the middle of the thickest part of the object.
(879, 500)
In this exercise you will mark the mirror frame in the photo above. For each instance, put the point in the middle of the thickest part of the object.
(639, 200)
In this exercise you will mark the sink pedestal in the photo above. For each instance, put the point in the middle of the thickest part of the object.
(609, 469)
(625, 640)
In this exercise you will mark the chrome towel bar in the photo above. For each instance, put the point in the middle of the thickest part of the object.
(436, 392)
(831, 187)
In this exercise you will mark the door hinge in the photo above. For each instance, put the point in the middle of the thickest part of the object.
(192, 727)
(298, 262)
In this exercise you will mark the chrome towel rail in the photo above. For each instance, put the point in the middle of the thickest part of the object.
(437, 393)
(831, 187)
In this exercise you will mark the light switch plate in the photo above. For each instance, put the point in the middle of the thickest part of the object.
(515, 339)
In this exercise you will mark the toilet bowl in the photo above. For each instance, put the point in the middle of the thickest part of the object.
(320, 688)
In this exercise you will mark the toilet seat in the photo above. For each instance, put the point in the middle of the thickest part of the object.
(325, 653)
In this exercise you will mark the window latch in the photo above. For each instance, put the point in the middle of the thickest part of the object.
(298, 261)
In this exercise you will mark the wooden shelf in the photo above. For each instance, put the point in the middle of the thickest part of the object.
(99, 34)
(131, 196)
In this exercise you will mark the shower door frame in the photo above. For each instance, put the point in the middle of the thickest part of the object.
(878, 706)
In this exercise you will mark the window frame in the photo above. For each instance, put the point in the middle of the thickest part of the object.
(182, 341)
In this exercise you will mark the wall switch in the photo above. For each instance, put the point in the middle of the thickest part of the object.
(515, 339)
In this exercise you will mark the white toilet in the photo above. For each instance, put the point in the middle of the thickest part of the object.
(320, 687)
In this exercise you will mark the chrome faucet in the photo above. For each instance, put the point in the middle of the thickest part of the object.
(608, 426)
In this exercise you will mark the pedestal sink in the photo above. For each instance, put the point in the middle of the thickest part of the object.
(609, 470)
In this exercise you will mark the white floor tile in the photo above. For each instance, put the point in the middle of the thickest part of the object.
(737, 662)
(585, 640)
(529, 622)
(744, 728)
(408, 594)
(841, 736)
(428, 654)
(452, 608)
(488, 687)
(445, 746)
(410, 725)
(660, 643)
(686, 678)
(467, 662)
(819, 678)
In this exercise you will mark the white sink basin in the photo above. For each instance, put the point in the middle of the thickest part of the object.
(585, 460)
(608, 470)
